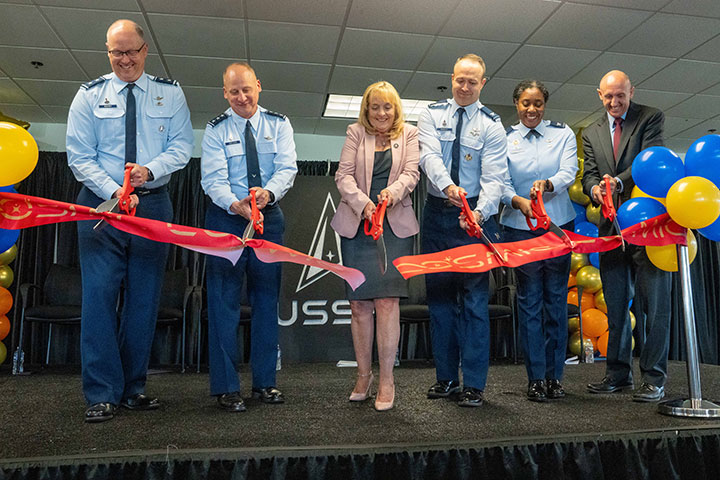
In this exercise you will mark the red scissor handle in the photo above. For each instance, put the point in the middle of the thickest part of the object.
(608, 208)
(473, 228)
(374, 227)
(538, 209)
(258, 224)
(125, 191)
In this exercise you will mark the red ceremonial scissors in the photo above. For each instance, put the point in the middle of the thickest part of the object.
(255, 224)
(120, 202)
(474, 230)
(609, 212)
(543, 219)
(374, 228)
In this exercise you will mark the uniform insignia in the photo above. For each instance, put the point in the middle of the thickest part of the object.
(468, 157)
(161, 128)
(159, 98)
(159, 104)
(89, 85)
(444, 123)
(276, 114)
(440, 104)
(215, 121)
(509, 130)
(557, 124)
(516, 142)
(168, 81)
(106, 101)
(268, 137)
(490, 114)
(475, 132)
(396, 146)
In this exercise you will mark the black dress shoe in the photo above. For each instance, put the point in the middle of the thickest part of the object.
(648, 393)
(268, 395)
(609, 386)
(444, 389)
(471, 397)
(100, 412)
(555, 389)
(536, 391)
(140, 401)
(232, 402)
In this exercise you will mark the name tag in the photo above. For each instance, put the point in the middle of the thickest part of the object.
(107, 106)
(234, 142)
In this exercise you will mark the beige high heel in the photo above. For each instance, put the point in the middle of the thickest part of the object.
(384, 406)
(361, 397)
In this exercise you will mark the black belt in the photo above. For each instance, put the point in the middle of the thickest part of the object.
(141, 192)
(444, 202)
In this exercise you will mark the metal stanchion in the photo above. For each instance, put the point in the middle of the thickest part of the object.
(695, 406)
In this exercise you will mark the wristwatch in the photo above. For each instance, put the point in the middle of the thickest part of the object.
(151, 177)
(272, 197)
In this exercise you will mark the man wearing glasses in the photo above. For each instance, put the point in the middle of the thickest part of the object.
(123, 118)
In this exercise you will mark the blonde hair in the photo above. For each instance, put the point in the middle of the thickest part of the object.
(471, 57)
(386, 92)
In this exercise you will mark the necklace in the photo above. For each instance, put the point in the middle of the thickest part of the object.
(383, 141)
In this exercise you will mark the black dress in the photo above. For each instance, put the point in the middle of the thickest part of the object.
(361, 251)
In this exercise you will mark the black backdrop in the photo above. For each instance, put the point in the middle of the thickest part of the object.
(41, 246)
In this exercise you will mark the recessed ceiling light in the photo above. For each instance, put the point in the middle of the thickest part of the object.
(348, 106)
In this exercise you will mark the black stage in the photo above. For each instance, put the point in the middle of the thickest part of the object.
(317, 433)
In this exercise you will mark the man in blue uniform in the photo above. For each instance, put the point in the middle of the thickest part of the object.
(125, 117)
(463, 150)
(245, 148)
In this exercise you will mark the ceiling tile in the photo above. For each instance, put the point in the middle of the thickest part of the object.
(200, 119)
(547, 63)
(372, 48)
(291, 42)
(568, 26)
(652, 5)
(675, 125)
(503, 20)
(304, 124)
(444, 52)
(424, 86)
(569, 117)
(94, 26)
(668, 35)
(50, 92)
(701, 129)
(684, 76)
(206, 8)
(293, 103)
(413, 16)
(333, 126)
(714, 90)
(658, 99)
(117, 5)
(205, 99)
(59, 114)
(709, 51)
(97, 63)
(24, 2)
(199, 36)
(354, 80)
(323, 12)
(11, 93)
(508, 114)
(499, 90)
(699, 106)
(57, 64)
(575, 97)
(637, 67)
(679, 145)
(197, 71)
(302, 77)
(707, 8)
(28, 113)
(592, 118)
(24, 25)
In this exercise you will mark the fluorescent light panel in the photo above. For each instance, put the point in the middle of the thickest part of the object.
(348, 106)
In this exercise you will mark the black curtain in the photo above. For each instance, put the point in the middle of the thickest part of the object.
(40, 247)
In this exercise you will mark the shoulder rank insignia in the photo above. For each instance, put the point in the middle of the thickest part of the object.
(276, 114)
(490, 114)
(215, 121)
(440, 104)
(557, 124)
(89, 85)
(509, 130)
(169, 81)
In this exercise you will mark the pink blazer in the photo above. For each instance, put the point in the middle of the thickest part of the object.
(354, 176)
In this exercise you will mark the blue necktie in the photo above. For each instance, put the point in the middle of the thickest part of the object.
(253, 167)
(130, 126)
(455, 168)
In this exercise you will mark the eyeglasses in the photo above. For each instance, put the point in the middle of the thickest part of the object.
(129, 53)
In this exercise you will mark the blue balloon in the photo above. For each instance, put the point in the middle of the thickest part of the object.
(594, 259)
(587, 229)
(637, 210)
(580, 214)
(712, 231)
(9, 188)
(8, 238)
(656, 169)
(701, 160)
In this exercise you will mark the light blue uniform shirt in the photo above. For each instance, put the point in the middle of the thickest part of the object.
(483, 152)
(95, 139)
(224, 167)
(551, 156)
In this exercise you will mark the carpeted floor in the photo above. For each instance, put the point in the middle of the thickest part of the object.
(42, 414)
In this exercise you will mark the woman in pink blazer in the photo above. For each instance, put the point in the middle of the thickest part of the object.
(378, 161)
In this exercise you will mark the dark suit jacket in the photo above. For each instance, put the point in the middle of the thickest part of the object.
(642, 128)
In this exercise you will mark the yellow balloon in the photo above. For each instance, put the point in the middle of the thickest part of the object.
(665, 257)
(577, 195)
(18, 153)
(6, 276)
(3, 352)
(632, 320)
(8, 255)
(636, 192)
(577, 261)
(594, 214)
(573, 324)
(693, 202)
(588, 277)
(581, 168)
(600, 302)
(574, 343)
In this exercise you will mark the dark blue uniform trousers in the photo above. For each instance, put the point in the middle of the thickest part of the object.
(224, 284)
(458, 302)
(115, 355)
(542, 303)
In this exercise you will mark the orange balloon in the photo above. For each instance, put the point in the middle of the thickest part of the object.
(572, 297)
(594, 322)
(4, 327)
(572, 281)
(602, 342)
(6, 300)
(588, 301)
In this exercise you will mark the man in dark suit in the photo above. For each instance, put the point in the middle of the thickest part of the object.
(610, 146)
